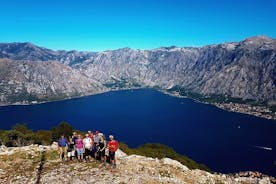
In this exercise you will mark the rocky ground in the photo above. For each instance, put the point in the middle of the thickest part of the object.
(40, 164)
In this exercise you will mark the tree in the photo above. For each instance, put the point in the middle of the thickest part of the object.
(3, 138)
(22, 128)
(63, 128)
(43, 137)
(16, 138)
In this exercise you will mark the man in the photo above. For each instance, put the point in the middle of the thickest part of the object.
(113, 146)
(88, 145)
(62, 146)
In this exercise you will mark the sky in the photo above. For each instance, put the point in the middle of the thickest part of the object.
(96, 25)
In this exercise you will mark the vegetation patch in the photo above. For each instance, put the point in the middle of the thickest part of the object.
(212, 98)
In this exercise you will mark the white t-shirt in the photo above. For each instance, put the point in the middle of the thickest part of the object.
(87, 142)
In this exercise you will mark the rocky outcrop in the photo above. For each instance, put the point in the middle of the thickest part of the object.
(245, 69)
(23, 165)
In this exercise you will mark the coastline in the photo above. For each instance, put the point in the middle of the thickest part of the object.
(257, 111)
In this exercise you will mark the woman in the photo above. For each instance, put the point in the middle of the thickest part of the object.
(102, 146)
(80, 147)
(71, 148)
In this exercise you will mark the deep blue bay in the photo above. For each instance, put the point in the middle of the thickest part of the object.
(224, 141)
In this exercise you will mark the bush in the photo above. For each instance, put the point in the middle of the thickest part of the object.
(63, 128)
(21, 135)
(3, 138)
(162, 151)
(16, 138)
(43, 137)
(22, 128)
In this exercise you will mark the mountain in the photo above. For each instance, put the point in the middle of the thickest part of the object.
(29, 51)
(30, 81)
(244, 70)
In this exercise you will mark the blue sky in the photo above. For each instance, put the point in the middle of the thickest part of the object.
(144, 24)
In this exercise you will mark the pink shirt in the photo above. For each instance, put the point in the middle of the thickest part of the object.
(79, 143)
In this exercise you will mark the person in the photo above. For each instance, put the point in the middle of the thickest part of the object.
(74, 138)
(113, 146)
(96, 143)
(91, 135)
(62, 146)
(71, 149)
(79, 147)
(97, 137)
(102, 146)
(88, 145)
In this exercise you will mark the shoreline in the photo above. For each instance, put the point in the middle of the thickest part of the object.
(69, 98)
(261, 112)
(234, 107)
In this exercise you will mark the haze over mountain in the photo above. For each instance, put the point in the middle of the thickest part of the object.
(245, 69)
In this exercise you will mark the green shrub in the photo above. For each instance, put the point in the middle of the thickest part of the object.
(3, 138)
(63, 128)
(22, 128)
(16, 138)
(43, 137)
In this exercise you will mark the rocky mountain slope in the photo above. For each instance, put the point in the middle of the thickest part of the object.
(40, 164)
(245, 70)
(30, 81)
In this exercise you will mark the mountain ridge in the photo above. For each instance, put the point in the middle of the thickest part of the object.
(245, 69)
(256, 37)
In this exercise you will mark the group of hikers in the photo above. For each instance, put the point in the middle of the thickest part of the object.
(91, 146)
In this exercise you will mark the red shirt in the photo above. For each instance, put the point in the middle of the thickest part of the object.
(113, 145)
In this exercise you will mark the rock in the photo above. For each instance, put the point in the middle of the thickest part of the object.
(174, 163)
(54, 145)
(3, 147)
(120, 153)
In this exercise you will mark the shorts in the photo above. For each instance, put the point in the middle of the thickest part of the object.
(80, 151)
(71, 153)
(111, 155)
(88, 152)
(102, 153)
(62, 150)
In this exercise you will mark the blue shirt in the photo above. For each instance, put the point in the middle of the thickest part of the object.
(62, 142)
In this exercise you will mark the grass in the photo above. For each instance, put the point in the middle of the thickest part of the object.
(51, 155)
(19, 163)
